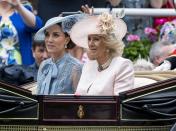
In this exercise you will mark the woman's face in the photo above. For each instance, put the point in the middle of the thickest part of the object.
(5, 5)
(97, 49)
(55, 40)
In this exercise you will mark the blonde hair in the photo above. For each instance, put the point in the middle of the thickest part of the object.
(107, 26)
(106, 23)
(114, 45)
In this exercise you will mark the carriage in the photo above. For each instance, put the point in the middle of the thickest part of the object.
(148, 108)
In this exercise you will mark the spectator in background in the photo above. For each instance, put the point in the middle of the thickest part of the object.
(169, 4)
(39, 53)
(162, 55)
(16, 27)
(107, 73)
(61, 72)
(168, 32)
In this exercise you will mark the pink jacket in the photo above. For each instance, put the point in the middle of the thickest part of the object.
(118, 77)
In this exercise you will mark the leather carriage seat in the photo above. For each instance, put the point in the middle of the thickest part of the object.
(143, 78)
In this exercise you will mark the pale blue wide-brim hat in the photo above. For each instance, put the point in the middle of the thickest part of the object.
(66, 22)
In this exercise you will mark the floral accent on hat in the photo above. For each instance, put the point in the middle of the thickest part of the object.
(106, 23)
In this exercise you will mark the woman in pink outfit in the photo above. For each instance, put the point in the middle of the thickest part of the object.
(107, 73)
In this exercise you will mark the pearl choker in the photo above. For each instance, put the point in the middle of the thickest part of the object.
(105, 65)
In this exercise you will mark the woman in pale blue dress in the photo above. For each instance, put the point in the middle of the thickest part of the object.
(59, 74)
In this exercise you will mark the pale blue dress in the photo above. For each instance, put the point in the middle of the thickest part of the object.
(60, 77)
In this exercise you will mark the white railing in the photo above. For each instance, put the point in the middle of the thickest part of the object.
(140, 11)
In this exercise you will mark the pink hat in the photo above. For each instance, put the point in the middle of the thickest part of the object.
(101, 24)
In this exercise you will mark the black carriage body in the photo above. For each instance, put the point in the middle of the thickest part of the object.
(150, 107)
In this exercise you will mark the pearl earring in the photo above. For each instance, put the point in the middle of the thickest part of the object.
(65, 46)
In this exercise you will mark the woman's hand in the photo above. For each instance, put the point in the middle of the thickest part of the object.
(87, 10)
(27, 16)
(14, 3)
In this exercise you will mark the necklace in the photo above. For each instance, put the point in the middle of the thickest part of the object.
(105, 65)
